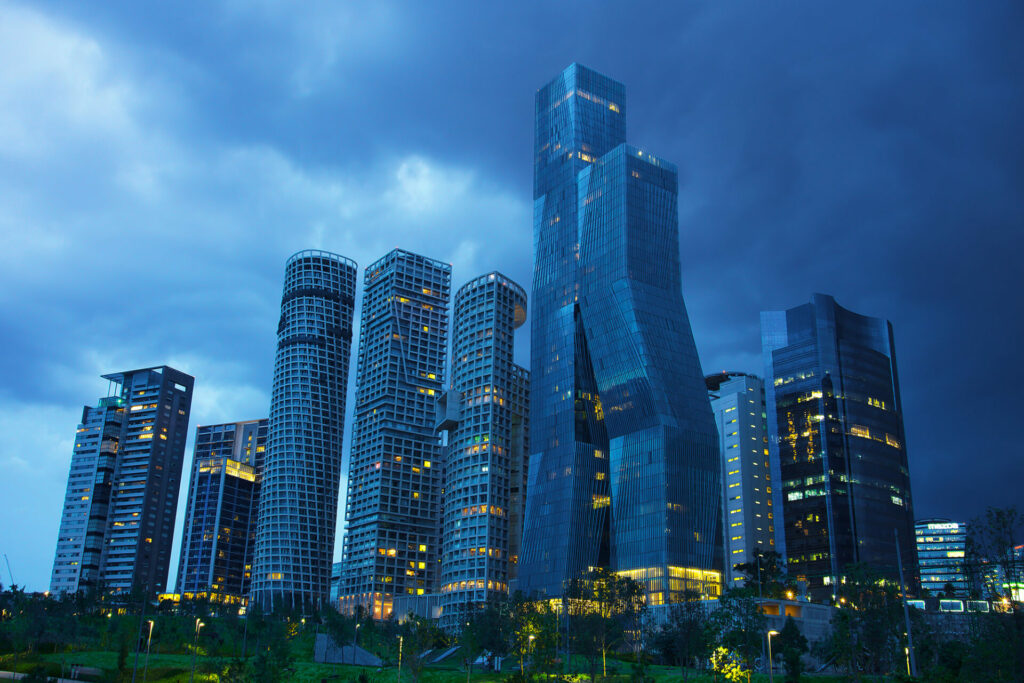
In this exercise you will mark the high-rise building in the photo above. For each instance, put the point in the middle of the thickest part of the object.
(122, 496)
(484, 413)
(737, 401)
(941, 546)
(219, 537)
(835, 425)
(624, 468)
(337, 570)
(395, 476)
(298, 509)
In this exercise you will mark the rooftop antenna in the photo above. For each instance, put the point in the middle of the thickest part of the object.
(9, 569)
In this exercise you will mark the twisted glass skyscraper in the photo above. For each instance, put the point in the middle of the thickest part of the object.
(298, 510)
(624, 466)
(395, 476)
(484, 413)
(835, 424)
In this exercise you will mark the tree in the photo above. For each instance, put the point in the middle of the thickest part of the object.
(274, 659)
(740, 624)
(867, 631)
(728, 664)
(340, 628)
(766, 576)
(792, 646)
(606, 611)
(686, 638)
(485, 630)
(532, 635)
(993, 558)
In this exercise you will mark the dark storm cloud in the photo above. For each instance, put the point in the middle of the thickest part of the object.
(872, 151)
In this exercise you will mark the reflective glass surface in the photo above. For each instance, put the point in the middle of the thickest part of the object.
(837, 443)
(624, 461)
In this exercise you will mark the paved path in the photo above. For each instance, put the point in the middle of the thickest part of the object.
(8, 675)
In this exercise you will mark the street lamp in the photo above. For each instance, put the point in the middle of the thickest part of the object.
(355, 640)
(195, 649)
(771, 668)
(149, 639)
(399, 659)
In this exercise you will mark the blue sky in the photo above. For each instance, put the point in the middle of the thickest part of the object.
(158, 163)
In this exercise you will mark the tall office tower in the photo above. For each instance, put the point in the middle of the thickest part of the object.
(835, 425)
(484, 413)
(941, 546)
(395, 471)
(737, 400)
(220, 520)
(298, 509)
(623, 469)
(122, 496)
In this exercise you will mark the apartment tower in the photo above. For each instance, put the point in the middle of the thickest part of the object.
(122, 495)
(298, 507)
(219, 537)
(737, 401)
(395, 476)
(484, 413)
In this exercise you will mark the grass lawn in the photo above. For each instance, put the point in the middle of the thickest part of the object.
(164, 668)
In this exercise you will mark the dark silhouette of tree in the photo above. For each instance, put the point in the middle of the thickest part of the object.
(767, 571)
(792, 646)
(993, 560)
(605, 612)
(740, 624)
(686, 638)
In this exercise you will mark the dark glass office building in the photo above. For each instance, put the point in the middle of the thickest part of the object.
(396, 473)
(624, 469)
(122, 496)
(220, 519)
(836, 437)
(484, 413)
(298, 509)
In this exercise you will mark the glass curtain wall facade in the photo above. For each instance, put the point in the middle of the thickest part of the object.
(836, 433)
(738, 403)
(122, 496)
(484, 414)
(941, 547)
(298, 507)
(220, 520)
(624, 468)
(395, 476)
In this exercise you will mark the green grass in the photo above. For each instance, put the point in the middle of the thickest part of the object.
(175, 668)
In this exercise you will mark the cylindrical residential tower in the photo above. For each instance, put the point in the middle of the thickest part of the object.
(485, 474)
(302, 471)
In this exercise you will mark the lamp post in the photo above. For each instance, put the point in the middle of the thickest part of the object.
(355, 640)
(530, 648)
(399, 659)
(195, 649)
(149, 639)
(771, 668)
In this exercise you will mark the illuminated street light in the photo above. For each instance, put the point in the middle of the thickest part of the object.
(195, 649)
(149, 639)
(771, 667)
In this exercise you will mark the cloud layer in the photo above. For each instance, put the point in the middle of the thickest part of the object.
(158, 164)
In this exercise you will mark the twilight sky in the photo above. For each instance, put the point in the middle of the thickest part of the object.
(158, 164)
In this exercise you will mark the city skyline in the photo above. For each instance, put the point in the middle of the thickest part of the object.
(154, 154)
